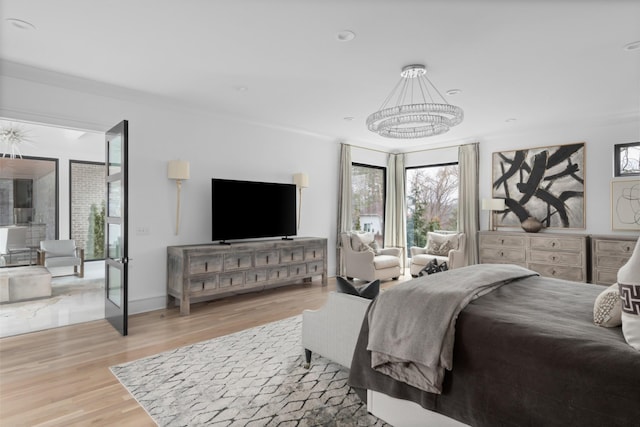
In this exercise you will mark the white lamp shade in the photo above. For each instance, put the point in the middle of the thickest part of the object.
(301, 180)
(178, 169)
(493, 204)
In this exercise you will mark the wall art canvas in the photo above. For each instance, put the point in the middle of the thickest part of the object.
(625, 204)
(547, 183)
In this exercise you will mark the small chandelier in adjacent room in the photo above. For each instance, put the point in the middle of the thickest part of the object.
(12, 137)
(413, 116)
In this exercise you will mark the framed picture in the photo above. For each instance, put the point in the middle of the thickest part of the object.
(547, 183)
(626, 158)
(625, 204)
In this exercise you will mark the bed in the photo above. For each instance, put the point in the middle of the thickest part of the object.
(527, 353)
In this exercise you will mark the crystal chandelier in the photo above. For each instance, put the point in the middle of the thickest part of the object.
(413, 116)
(12, 136)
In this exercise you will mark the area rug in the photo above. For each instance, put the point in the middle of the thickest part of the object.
(251, 378)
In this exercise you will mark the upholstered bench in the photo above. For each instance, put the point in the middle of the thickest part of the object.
(23, 283)
(332, 330)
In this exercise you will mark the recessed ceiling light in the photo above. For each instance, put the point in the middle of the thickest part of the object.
(632, 46)
(241, 88)
(21, 24)
(454, 91)
(510, 120)
(345, 35)
(349, 118)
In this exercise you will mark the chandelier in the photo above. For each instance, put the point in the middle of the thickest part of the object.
(413, 116)
(12, 136)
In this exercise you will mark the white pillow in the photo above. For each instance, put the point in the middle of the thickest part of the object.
(629, 283)
(607, 310)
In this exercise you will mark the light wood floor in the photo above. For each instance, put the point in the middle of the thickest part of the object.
(61, 377)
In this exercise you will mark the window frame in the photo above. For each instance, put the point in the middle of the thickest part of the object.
(384, 192)
(457, 163)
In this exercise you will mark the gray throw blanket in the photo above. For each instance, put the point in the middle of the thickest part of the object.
(412, 326)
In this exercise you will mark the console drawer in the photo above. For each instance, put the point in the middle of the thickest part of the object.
(205, 264)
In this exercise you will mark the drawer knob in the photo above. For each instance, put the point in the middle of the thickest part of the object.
(502, 241)
(553, 258)
(502, 254)
(553, 244)
(628, 248)
(553, 272)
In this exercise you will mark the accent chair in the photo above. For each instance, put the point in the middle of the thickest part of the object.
(363, 261)
(62, 253)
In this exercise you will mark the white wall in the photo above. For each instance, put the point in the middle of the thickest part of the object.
(214, 146)
(226, 148)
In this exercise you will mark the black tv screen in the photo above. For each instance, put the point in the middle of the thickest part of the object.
(248, 209)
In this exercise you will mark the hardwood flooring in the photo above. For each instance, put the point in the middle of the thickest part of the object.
(61, 377)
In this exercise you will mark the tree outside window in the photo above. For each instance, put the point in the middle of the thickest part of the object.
(368, 199)
(432, 201)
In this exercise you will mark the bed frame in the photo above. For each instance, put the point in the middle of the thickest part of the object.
(404, 413)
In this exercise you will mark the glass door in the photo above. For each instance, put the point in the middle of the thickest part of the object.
(116, 253)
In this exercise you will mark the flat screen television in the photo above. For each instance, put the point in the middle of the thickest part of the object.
(248, 209)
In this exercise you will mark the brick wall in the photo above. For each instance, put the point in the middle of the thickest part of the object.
(87, 188)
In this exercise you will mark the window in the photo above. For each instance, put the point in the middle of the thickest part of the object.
(432, 201)
(368, 196)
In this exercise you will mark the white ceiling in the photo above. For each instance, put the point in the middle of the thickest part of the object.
(544, 63)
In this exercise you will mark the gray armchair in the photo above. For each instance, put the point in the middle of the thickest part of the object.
(365, 263)
(62, 253)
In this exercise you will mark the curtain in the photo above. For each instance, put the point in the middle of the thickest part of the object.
(344, 201)
(468, 209)
(395, 230)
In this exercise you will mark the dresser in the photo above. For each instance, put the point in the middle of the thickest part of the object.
(608, 254)
(563, 256)
(204, 272)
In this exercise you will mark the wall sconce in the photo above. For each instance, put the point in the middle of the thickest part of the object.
(492, 205)
(178, 170)
(301, 180)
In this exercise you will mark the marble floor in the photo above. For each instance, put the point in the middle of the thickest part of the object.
(73, 300)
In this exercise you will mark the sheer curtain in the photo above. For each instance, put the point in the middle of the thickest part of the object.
(468, 209)
(395, 231)
(344, 201)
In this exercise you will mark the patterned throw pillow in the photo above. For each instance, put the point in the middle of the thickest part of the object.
(430, 268)
(607, 310)
(441, 244)
(629, 285)
(375, 247)
(369, 291)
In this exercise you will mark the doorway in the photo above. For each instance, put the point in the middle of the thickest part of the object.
(73, 299)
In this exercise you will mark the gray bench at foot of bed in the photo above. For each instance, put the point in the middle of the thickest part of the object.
(23, 283)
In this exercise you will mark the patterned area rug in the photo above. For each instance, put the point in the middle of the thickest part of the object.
(251, 378)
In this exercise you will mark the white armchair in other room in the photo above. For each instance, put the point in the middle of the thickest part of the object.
(332, 331)
(443, 246)
(62, 253)
(364, 263)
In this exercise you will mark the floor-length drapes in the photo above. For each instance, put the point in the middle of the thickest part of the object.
(344, 201)
(468, 209)
(395, 230)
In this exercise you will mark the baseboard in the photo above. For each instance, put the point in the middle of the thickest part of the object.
(147, 304)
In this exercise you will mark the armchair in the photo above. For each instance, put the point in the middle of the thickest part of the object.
(13, 240)
(61, 253)
(365, 263)
(443, 246)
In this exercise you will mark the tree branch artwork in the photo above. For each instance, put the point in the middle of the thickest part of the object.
(546, 183)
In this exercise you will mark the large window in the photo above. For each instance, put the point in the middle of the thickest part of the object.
(432, 201)
(368, 184)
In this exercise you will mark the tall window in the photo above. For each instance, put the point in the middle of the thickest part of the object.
(368, 186)
(432, 201)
